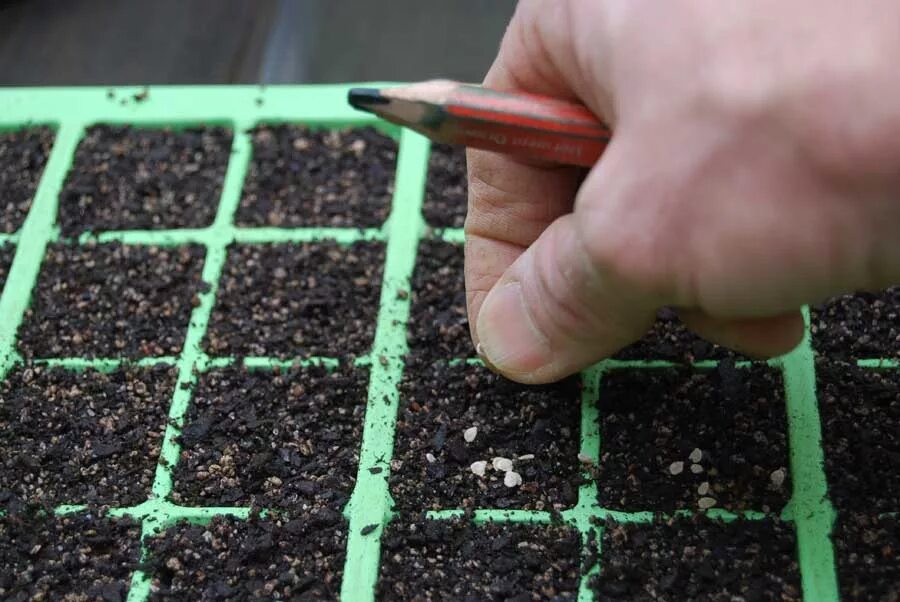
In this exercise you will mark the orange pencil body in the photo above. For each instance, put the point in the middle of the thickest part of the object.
(525, 125)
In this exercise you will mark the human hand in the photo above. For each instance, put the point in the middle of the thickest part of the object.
(754, 167)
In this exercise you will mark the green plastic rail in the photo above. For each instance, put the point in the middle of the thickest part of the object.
(70, 110)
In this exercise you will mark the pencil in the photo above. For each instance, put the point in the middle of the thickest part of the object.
(522, 125)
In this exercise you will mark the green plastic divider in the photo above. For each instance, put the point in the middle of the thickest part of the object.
(71, 110)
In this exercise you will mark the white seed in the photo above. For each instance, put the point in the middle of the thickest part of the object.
(706, 502)
(512, 479)
(585, 459)
(676, 468)
(696, 468)
(777, 477)
(703, 489)
(470, 433)
(479, 467)
(502, 464)
(696, 455)
(526, 457)
(430, 457)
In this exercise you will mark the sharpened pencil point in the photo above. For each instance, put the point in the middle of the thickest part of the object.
(364, 98)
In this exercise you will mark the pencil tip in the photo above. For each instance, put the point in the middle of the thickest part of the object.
(364, 98)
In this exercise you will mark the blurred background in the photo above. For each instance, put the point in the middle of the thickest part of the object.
(117, 42)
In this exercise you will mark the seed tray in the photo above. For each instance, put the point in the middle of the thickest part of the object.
(371, 538)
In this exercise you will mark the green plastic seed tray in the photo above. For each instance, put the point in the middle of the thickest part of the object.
(618, 490)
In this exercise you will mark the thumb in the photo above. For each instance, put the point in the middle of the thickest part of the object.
(559, 307)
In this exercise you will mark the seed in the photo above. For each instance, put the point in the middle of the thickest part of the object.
(703, 489)
(470, 433)
(585, 459)
(777, 477)
(676, 468)
(696, 455)
(706, 502)
(478, 467)
(503, 464)
(512, 479)
(430, 457)
(696, 468)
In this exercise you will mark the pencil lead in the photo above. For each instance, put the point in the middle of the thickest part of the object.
(364, 98)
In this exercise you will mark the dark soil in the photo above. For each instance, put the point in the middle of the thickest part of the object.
(112, 300)
(288, 439)
(652, 418)
(438, 326)
(75, 557)
(304, 177)
(670, 340)
(860, 414)
(293, 300)
(82, 437)
(868, 557)
(259, 559)
(860, 326)
(446, 189)
(439, 402)
(124, 178)
(6, 257)
(698, 559)
(23, 154)
(456, 560)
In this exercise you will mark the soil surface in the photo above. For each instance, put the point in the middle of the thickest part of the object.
(304, 177)
(23, 154)
(860, 414)
(82, 437)
(670, 340)
(446, 189)
(652, 421)
(438, 326)
(698, 559)
(277, 558)
(75, 557)
(112, 300)
(868, 557)
(860, 326)
(293, 300)
(288, 439)
(440, 402)
(124, 178)
(7, 252)
(456, 560)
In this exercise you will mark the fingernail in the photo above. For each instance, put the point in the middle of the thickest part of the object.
(508, 339)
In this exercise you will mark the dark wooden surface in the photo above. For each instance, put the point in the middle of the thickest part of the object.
(110, 42)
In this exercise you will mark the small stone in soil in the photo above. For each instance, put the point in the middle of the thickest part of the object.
(284, 558)
(326, 303)
(735, 416)
(430, 457)
(124, 178)
(71, 557)
(446, 189)
(111, 300)
(453, 559)
(88, 437)
(698, 558)
(302, 426)
(305, 177)
(513, 420)
(23, 154)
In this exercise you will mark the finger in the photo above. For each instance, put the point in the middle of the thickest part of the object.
(755, 337)
(511, 202)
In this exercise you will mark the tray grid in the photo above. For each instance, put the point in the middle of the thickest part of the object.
(240, 108)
